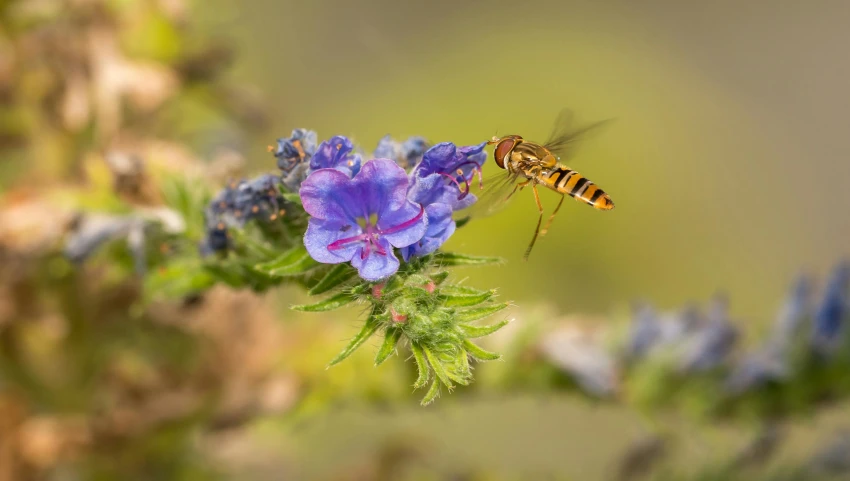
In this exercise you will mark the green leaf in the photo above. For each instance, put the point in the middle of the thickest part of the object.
(481, 331)
(457, 378)
(452, 259)
(417, 280)
(432, 394)
(460, 290)
(462, 222)
(334, 278)
(460, 296)
(329, 304)
(292, 197)
(178, 280)
(227, 273)
(388, 347)
(479, 353)
(439, 277)
(258, 249)
(438, 368)
(369, 327)
(463, 358)
(421, 365)
(457, 373)
(188, 199)
(414, 293)
(293, 262)
(392, 284)
(469, 315)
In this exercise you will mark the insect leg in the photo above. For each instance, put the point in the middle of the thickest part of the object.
(518, 186)
(552, 217)
(539, 220)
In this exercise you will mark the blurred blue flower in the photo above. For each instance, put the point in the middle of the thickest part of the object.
(444, 175)
(578, 354)
(792, 315)
(293, 156)
(770, 363)
(829, 317)
(90, 232)
(257, 198)
(644, 333)
(713, 341)
(757, 369)
(414, 148)
(242, 201)
(224, 201)
(441, 226)
(238, 203)
(406, 154)
(650, 331)
(215, 240)
(336, 153)
(361, 219)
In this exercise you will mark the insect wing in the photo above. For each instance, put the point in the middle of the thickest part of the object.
(497, 192)
(566, 136)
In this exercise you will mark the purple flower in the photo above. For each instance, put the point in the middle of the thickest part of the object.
(297, 149)
(336, 154)
(293, 156)
(441, 226)
(360, 219)
(445, 173)
(406, 154)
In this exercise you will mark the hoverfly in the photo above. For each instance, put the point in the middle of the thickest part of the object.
(529, 163)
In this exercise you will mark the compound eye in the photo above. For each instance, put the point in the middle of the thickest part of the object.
(503, 149)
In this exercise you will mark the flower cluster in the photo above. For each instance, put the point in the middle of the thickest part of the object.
(300, 154)
(359, 215)
(406, 154)
(293, 156)
(804, 345)
(238, 203)
(361, 231)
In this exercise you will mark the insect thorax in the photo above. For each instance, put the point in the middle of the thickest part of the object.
(529, 157)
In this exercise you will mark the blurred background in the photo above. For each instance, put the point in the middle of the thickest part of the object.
(726, 160)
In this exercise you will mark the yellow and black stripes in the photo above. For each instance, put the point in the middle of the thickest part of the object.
(567, 181)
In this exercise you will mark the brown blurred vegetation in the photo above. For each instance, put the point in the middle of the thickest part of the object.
(92, 378)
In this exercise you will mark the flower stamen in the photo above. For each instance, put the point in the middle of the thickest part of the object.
(339, 244)
(476, 169)
(405, 225)
(459, 188)
(372, 233)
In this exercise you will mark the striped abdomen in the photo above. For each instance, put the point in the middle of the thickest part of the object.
(570, 182)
